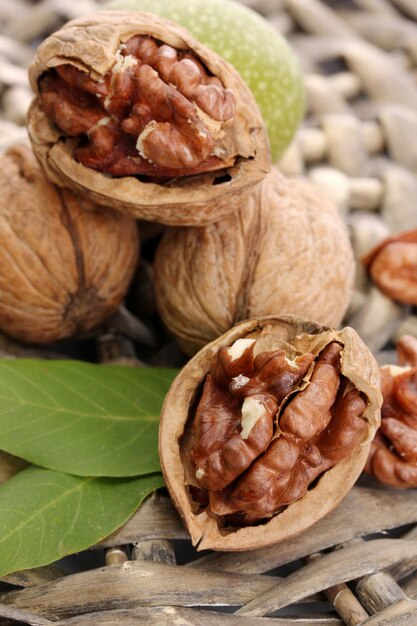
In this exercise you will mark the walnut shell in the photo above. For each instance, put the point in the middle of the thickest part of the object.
(63, 268)
(286, 251)
(92, 44)
(357, 365)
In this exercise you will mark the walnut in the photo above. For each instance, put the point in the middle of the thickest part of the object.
(65, 265)
(266, 429)
(286, 250)
(392, 265)
(393, 455)
(134, 113)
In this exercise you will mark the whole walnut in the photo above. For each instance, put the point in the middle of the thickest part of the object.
(286, 251)
(65, 264)
(134, 113)
(266, 429)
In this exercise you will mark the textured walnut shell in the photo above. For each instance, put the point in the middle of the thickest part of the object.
(286, 251)
(357, 365)
(63, 268)
(91, 44)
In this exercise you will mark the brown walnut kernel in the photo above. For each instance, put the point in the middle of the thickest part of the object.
(65, 264)
(393, 455)
(157, 113)
(285, 251)
(138, 115)
(266, 429)
(392, 265)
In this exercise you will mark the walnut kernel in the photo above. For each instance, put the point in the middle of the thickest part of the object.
(266, 429)
(131, 111)
(393, 454)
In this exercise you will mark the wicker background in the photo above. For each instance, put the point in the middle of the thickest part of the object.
(358, 144)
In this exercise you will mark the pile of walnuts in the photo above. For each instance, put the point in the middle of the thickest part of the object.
(268, 426)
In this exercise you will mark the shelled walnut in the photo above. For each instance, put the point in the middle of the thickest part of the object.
(65, 264)
(133, 112)
(286, 251)
(266, 429)
(393, 455)
(392, 265)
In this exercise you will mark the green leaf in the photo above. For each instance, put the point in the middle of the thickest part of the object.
(83, 419)
(46, 515)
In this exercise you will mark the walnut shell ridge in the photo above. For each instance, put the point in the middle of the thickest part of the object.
(65, 264)
(357, 365)
(285, 251)
(91, 43)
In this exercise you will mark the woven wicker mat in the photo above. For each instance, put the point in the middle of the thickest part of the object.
(358, 565)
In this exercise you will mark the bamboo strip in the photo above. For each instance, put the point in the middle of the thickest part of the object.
(344, 601)
(346, 604)
(263, 6)
(346, 83)
(377, 6)
(333, 184)
(283, 22)
(137, 584)
(314, 142)
(377, 321)
(155, 519)
(398, 204)
(15, 51)
(399, 614)
(370, 63)
(398, 124)
(320, 48)
(125, 323)
(11, 8)
(323, 97)
(373, 137)
(410, 587)
(334, 568)
(33, 22)
(179, 616)
(366, 194)
(156, 550)
(346, 149)
(379, 591)
(363, 194)
(408, 6)
(11, 134)
(315, 17)
(35, 576)
(362, 512)
(16, 102)
(24, 617)
(388, 32)
(11, 74)
(116, 556)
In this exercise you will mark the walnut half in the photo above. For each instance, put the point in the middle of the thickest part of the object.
(135, 113)
(266, 429)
